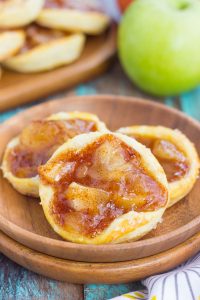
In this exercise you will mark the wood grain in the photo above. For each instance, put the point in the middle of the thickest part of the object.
(18, 283)
(22, 218)
(16, 88)
(82, 272)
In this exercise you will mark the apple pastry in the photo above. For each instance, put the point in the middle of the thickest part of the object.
(74, 15)
(17, 13)
(103, 187)
(36, 144)
(176, 154)
(11, 41)
(46, 49)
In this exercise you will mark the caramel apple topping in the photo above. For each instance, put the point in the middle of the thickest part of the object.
(39, 140)
(99, 183)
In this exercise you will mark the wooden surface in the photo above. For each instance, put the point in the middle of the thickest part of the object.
(22, 218)
(17, 89)
(18, 283)
(109, 273)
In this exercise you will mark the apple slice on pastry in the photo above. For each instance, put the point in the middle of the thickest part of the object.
(176, 154)
(36, 144)
(46, 49)
(17, 13)
(10, 43)
(74, 15)
(103, 188)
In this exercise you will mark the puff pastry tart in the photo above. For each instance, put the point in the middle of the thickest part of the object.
(11, 42)
(103, 188)
(46, 49)
(74, 15)
(17, 13)
(37, 142)
(176, 154)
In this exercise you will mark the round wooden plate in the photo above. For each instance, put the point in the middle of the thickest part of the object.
(22, 218)
(110, 273)
(19, 88)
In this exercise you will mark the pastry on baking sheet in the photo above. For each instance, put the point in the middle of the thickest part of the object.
(74, 15)
(10, 43)
(46, 49)
(176, 154)
(37, 142)
(103, 188)
(17, 13)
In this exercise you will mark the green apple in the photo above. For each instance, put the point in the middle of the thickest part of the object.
(159, 45)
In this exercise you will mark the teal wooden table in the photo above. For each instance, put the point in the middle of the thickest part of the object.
(20, 284)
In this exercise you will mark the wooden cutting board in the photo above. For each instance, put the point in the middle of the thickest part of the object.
(17, 89)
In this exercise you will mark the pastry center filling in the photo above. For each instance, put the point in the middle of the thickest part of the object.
(39, 140)
(172, 159)
(86, 5)
(37, 35)
(99, 183)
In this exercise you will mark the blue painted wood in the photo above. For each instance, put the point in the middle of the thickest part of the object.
(17, 283)
(190, 103)
(169, 101)
(85, 89)
(108, 291)
(8, 114)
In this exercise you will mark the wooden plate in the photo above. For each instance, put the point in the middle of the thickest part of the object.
(110, 273)
(22, 218)
(16, 88)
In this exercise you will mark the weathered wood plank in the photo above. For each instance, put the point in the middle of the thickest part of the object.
(105, 291)
(20, 284)
(190, 103)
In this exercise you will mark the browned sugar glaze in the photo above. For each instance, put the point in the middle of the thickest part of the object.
(37, 35)
(172, 159)
(111, 181)
(86, 5)
(39, 140)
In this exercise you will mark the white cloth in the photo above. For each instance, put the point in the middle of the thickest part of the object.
(182, 283)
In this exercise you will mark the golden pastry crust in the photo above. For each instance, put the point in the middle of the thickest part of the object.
(178, 189)
(25, 186)
(30, 186)
(126, 227)
(89, 22)
(16, 13)
(49, 55)
(11, 42)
